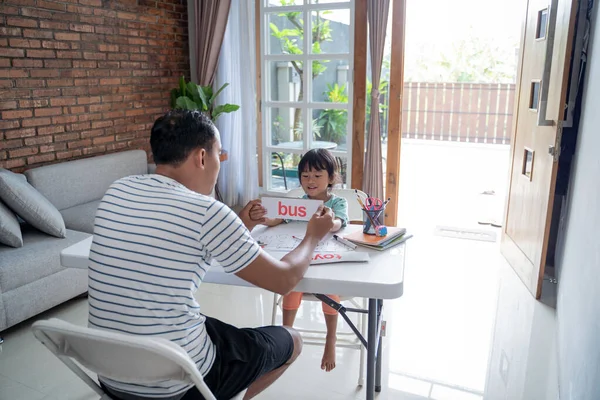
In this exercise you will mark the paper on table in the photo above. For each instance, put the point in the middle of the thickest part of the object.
(330, 258)
(287, 242)
(290, 208)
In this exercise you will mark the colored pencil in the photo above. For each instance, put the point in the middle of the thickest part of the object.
(365, 210)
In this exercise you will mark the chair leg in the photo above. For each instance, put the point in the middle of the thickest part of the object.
(361, 367)
(363, 326)
(275, 304)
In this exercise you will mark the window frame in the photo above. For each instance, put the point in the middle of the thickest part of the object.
(306, 105)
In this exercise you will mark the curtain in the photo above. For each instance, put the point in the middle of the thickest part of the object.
(238, 179)
(377, 13)
(210, 23)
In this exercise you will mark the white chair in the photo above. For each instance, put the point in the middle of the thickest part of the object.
(345, 339)
(135, 359)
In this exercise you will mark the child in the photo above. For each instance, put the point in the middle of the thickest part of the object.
(318, 172)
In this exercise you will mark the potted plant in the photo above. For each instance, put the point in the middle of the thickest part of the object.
(190, 96)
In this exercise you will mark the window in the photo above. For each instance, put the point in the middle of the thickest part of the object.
(307, 85)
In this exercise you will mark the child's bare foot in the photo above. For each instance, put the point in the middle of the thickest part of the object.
(328, 361)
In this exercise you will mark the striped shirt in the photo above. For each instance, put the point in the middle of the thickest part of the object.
(154, 240)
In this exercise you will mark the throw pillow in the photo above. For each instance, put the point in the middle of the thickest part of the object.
(30, 204)
(10, 230)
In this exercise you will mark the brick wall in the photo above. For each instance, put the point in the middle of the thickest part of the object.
(85, 77)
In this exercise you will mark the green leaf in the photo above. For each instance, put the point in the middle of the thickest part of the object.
(316, 48)
(192, 92)
(291, 32)
(290, 47)
(275, 30)
(318, 67)
(203, 97)
(208, 92)
(214, 96)
(223, 108)
(292, 15)
(186, 104)
(182, 86)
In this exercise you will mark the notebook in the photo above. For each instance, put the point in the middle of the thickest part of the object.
(394, 237)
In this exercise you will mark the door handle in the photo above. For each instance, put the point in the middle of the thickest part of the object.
(543, 105)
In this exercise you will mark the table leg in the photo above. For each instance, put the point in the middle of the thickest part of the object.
(371, 348)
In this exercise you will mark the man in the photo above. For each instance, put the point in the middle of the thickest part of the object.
(154, 238)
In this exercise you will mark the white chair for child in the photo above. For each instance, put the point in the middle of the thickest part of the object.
(345, 339)
(130, 358)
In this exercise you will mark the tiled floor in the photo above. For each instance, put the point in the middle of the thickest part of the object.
(460, 298)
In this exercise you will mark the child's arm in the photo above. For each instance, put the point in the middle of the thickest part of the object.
(272, 221)
(340, 212)
(337, 225)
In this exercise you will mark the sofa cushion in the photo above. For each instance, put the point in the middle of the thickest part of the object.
(38, 258)
(41, 295)
(30, 204)
(81, 217)
(10, 231)
(78, 182)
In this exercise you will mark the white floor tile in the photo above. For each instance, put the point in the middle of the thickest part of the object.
(10, 389)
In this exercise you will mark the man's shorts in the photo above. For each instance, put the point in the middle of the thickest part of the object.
(243, 356)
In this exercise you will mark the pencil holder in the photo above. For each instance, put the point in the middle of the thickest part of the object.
(376, 216)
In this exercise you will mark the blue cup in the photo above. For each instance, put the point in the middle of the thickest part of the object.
(376, 216)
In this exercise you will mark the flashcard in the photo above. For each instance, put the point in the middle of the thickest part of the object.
(290, 208)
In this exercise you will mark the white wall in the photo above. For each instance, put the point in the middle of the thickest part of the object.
(578, 310)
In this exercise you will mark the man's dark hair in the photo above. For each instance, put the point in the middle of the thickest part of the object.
(177, 133)
(319, 160)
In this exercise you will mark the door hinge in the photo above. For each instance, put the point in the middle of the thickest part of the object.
(554, 151)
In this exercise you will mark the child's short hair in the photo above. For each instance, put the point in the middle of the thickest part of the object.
(319, 160)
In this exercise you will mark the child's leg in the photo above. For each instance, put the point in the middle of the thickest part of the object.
(331, 319)
(291, 303)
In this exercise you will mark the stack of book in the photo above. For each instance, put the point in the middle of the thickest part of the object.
(394, 237)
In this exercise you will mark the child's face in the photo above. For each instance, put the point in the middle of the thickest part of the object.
(315, 182)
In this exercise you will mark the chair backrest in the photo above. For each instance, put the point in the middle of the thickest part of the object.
(354, 210)
(127, 358)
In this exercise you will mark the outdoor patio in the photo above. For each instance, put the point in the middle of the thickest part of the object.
(442, 183)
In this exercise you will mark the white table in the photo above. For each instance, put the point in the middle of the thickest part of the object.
(380, 279)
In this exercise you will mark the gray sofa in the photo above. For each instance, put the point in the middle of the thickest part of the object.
(31, 277)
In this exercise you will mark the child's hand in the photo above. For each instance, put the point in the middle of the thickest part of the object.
(337, 224)
(253, 214)
(258, 212)
(272, 221)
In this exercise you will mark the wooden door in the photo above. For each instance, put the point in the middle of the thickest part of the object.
(541, 94)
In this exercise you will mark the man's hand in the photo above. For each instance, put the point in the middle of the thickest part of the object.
(253, 214)
(320, 223)
(281, 276)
